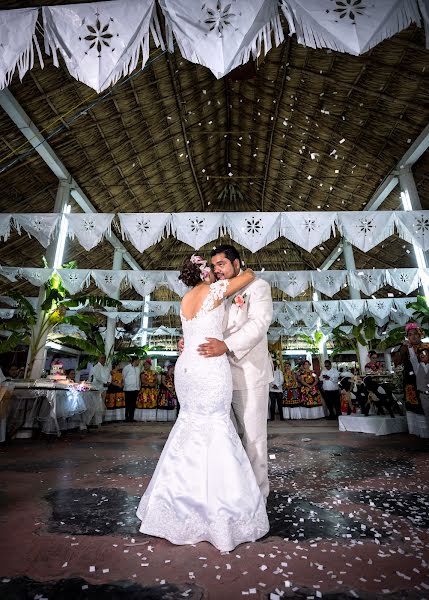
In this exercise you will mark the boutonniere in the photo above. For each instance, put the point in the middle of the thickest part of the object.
(239, 300)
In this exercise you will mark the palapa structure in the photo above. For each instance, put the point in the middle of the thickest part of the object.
(302, 129)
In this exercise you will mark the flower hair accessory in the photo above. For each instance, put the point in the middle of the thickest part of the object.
(411, 326)
(202, 265)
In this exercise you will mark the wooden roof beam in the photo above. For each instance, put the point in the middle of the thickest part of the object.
(29, 130)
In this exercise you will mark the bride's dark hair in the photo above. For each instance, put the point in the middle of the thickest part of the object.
(190, 273)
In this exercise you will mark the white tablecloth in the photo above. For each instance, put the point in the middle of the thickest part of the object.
(302, 412)
(375, 424)
(53, 410)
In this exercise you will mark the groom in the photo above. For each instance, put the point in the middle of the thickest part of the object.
(247, 318)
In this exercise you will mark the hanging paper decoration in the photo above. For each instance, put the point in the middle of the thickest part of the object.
(38, 225)
(349, 26)
(155, 309)
(277, 309)
(74, 279)
(173, 282)
(297, 310)
(311, 319)
(125, 317)
(380, 309)
(144, 229)
(36, 276)
(399, 318)
(366, 230)
(293, 283)
(5, 226)
(132, 304)
(253, 230)
(89, 228)
(144, 282)
(17, 50)
(413, 226)
(353, 310)
(327, 310)
(405, 280)
(109, 281)
(219, 34)
(328, 282)
(367, 280)
(196, 229)
(6, 313)
(308, 229)
(100, 41)
(285, 319)
(402, 305)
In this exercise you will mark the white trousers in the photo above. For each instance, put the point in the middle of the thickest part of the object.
(250, 412)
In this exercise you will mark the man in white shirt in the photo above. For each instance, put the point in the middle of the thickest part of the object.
(101, 375)
(276, 394)
(331, 391)
(131, 377)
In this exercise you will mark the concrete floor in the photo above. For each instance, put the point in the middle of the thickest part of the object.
(349, 518)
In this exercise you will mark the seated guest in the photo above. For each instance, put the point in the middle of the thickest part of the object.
(13, 372)
(374, 365)
(70, 374)
(379, 396)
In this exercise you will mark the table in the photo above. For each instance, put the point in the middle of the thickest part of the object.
(49, 408)
(375, 424)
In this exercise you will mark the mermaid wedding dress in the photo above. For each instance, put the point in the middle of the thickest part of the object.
(203, 488)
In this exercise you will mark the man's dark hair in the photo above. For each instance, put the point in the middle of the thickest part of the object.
(230, 252)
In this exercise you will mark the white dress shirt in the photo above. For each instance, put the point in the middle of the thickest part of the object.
(331, 384)
(101, 375)
(277, 381)
(131, 377)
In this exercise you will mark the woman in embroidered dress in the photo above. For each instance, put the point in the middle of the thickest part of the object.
(204, 488)
(406, 356)
(310, 395)
(167, 394)
(291, 397)
(115, 395)
(148, 395)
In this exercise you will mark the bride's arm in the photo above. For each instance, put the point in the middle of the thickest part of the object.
(239, 282)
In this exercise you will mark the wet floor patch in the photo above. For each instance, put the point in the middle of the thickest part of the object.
(94, 511)
(296, 518)
(412, 506)
(20, 588)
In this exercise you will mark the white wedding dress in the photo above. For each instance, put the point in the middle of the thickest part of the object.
(203, 488)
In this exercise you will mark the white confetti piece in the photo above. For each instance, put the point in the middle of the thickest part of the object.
(65, 565)
(91, 569)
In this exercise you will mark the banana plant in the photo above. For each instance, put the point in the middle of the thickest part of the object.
(420, 310)
(32, 329)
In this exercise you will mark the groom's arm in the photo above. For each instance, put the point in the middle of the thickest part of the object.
(260, 314)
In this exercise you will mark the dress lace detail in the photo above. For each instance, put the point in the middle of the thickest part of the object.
(203, 488)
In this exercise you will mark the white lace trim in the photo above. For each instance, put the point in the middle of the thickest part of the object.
(217, 292)
(222, 532)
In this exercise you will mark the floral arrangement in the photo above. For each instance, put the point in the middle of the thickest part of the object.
(239, 300)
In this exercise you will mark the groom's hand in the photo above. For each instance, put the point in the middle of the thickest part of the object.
(213, 347)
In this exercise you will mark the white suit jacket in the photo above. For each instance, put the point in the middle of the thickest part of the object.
(245, 334)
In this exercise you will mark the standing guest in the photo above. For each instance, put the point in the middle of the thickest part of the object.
(148, 396)
(131, 378)
(276, 393)
(291, 397)
(167, 399)
(331, 391)
(422, 380)
(374, 365)
(101, 376)
(310, 395)
(406, 356)
(115, 396)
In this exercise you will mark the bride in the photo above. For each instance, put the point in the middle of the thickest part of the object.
(203, 488)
